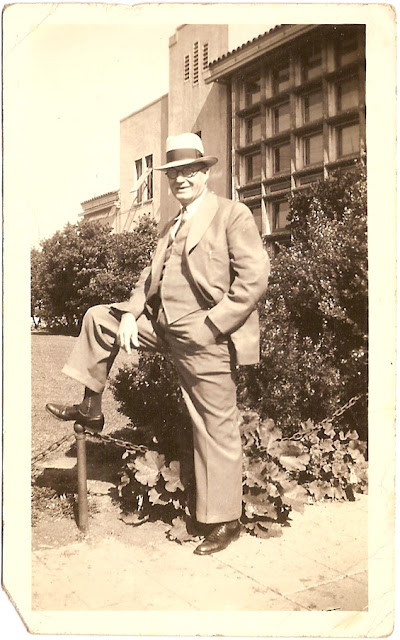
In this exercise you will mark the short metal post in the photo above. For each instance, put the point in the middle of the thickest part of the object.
(82, 477)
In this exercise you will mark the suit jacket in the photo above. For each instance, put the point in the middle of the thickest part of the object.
(227, 263)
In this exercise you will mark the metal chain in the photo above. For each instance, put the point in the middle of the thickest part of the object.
(344, 408)
(51, 448)
(129, 446)
(141, 448)
(132, 448)
(339, 412)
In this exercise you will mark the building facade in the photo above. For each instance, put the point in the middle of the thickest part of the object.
(297, 104)
(102, 209)
(142, 147)
(280, 112)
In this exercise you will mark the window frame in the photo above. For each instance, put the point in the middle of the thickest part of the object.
(275, 214)
(275, 109)
(338, 84)
(274, 149)
(196, 62)
(303, 106)
(339, 141)
(305, 144)
(254, 177)
(149, 184)
(186, 67)
(206, 56)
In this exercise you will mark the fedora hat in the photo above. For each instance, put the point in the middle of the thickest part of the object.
(187, 148)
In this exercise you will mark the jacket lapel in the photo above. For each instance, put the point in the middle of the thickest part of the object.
(158, 260)
(201, 221)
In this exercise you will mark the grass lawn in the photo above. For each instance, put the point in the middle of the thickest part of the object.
(49, 353)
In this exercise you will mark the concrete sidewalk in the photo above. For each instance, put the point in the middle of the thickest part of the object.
(318, 564)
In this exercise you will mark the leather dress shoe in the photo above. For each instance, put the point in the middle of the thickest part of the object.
(219, 538)
(73, 412)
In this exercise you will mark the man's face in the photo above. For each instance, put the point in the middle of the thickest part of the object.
(187, 189)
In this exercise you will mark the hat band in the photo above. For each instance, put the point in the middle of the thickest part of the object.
(183, 154)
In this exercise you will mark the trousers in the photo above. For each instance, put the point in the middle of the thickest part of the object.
(205, 369)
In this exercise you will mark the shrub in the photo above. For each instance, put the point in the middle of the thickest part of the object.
(83, 265)
(314, 320)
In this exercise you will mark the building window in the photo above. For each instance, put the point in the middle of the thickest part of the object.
(348, 140)
(195, 63)
(281, 158)
(253, 167)
(281, 117)
(281, 77)
(312, 106)
(187, 68)
(311, 61)
(347, 94)
(280, 212)
(205, 56)
(252, 129)
(347, 50)
(252, 90)
(313, 150)
(148, 195)
(139, 169)
(257, 214)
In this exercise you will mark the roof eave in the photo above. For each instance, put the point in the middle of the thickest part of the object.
(221, 70)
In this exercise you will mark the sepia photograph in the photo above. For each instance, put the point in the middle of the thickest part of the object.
(199, 259)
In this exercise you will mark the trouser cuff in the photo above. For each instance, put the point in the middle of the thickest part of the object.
(83, 378)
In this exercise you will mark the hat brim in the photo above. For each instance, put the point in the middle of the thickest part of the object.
(209, 161)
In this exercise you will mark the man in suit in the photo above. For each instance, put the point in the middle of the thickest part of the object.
(197, 299)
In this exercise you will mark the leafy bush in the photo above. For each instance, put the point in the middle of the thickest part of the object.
(84, 265)
(314, 320)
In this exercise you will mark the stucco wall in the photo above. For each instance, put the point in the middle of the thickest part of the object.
(143, 133)
(200, 107)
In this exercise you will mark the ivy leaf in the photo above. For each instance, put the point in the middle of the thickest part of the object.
(268, 530)
(172, 477)
(134, 519)
(352, 435)
(296, 497)
(293, 457)
(329, 431)
(268, 433)
(326, 445)
(317, 490)
(179, 532)
(259, 506)
(156, 498)
(249, 422)
(274, 473)
(254, 475)
(148, 467)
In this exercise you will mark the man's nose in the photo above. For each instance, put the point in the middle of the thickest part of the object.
(180, 177)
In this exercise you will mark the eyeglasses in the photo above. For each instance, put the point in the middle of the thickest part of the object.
(186, 172)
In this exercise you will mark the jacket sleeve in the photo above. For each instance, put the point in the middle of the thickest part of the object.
(250, 267)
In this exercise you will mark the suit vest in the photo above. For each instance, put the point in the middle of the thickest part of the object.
(178, 294)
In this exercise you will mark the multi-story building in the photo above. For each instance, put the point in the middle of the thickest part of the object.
(280, 112)
(296, 113)
(142, 147)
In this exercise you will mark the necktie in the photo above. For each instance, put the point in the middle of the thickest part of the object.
(183, 219)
